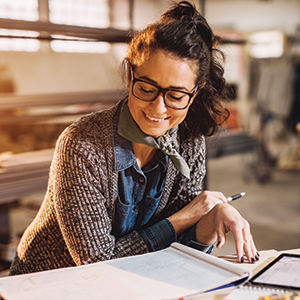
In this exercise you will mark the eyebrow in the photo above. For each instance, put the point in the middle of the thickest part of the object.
(154, 82)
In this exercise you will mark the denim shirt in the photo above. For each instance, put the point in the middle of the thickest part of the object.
(139, 193)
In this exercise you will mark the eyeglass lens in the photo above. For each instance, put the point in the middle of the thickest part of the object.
(148, 92)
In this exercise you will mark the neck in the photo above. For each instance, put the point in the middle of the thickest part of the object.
(143, 154)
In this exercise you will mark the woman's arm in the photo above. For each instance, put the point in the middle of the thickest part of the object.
(194, 211)
(84, 203)
(210, 213)
(195, 204)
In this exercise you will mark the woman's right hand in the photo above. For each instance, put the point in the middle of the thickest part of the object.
(194, 211)
(219, 221)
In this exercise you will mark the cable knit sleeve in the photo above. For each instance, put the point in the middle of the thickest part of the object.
(82, 177)
(73, 225)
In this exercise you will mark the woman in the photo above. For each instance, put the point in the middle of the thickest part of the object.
(127, 180)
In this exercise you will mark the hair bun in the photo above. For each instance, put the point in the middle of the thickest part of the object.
(187, 18)
(181, 11)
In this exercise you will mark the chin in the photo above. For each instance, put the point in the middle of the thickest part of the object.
(154, 133)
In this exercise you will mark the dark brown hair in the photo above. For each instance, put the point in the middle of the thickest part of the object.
(183, 32)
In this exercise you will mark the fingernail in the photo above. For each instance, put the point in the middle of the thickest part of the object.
(252, 260)
(218, 243)
(257, 254)
(242, 259)
(256, 257)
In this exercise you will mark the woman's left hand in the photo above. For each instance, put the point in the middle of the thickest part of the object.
(221, 219)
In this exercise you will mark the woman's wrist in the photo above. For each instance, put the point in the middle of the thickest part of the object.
(206, 232)
(180, 224)
(184, 219)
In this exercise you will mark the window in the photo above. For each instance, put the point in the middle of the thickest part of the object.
(87, 13)
(266, 44)
(20, 43)
(78, 46)
(19, 10)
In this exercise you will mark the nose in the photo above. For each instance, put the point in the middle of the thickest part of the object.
(158, 105)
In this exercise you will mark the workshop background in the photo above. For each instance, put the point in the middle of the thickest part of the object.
(60, 59)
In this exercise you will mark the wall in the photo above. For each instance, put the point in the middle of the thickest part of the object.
(254, 15)
(62, 72)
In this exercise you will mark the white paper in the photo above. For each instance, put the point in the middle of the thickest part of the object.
(173, 267)
(166, 274)
(96, 281)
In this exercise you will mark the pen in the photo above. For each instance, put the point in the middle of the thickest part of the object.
(235, 197)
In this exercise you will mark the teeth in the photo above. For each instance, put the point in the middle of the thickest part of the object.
(154, 119)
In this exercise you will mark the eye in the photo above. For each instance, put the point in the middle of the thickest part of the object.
(175, 96)
(145, 90)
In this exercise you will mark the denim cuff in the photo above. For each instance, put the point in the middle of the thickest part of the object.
(201, 247)
(189, 238)
(159, 236)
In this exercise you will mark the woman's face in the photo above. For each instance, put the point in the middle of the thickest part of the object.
(155, 118)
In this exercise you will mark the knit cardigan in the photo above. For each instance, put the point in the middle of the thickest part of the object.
(75, 220)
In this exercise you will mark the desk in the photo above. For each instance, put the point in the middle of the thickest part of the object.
(265, 258)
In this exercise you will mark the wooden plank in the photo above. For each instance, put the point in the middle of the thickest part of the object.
(110, 35)
(108, 97)
(24, 174)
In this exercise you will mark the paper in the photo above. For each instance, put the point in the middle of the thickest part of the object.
(175, 268)
(96, 281)
(165, 274)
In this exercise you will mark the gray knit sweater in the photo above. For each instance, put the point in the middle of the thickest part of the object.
(74, 223)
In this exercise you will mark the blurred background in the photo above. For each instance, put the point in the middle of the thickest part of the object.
(60, 59)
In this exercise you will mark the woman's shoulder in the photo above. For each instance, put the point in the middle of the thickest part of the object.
(98, 119)
(96, 122)
(94, 128)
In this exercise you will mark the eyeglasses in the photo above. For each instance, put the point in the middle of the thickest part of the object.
(148, 92)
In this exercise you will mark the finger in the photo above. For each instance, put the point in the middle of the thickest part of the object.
(239, 244)
(250, 249)
(218, 195)
(221, 235)
(206, 201)
(254, 250)
(220, 241)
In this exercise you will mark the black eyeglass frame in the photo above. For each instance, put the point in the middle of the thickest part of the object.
(161, 91)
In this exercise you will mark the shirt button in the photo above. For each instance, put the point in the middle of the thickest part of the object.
(135, 208)
(141, 180)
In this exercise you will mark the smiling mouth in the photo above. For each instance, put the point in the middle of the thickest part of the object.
(154, 119)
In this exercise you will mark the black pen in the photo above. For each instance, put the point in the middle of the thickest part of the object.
(235, 197)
